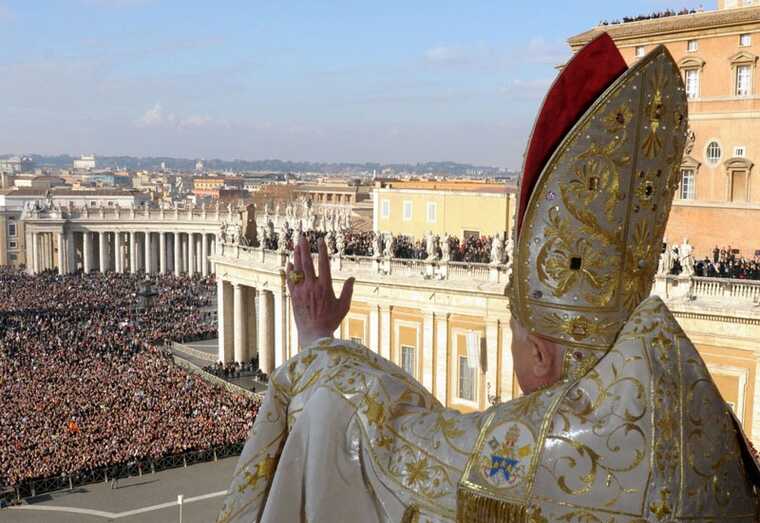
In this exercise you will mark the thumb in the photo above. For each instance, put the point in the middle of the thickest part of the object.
(344, 301)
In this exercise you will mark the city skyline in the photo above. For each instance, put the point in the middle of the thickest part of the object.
(324, 84)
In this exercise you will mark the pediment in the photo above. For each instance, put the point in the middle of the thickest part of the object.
(690, 162)
(742, 57)
(691, 62)
(738, 163)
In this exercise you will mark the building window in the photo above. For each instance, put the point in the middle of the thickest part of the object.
(745, 40)
(385, 210)
(691, 79)
(432, 212)
(471, 234)
(11, 229)
(692, 46)
(713, 153)
(640, 51)
(743, 80)
(12, 244)
(466, 389)
(358, 340)
(740, 151)
(407, 359)
(407, 211)
(687, 184)
(738, 186)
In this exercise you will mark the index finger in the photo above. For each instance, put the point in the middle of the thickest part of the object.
(306, 260)
(324, 263)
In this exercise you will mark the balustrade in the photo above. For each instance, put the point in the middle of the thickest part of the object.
(427, 269)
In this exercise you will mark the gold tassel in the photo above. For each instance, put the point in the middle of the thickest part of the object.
(411, 514)
(474, 508)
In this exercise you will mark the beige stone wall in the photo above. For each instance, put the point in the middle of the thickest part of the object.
(455, 212)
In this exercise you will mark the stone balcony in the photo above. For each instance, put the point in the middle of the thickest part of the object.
(379, 267)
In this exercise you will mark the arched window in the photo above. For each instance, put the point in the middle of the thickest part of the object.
(713, 153)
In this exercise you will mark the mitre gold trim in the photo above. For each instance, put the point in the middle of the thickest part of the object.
(589, 242)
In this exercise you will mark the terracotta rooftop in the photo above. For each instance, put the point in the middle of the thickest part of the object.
(27, 191)
(671, 24)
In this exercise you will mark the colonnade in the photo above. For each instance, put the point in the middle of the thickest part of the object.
(252, 322)
(133, 251)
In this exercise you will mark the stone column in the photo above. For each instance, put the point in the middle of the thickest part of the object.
(162, 252)
(177, 253)
(492, 352)
(132, 252)
(71, 253)
(35, 253)
(117, 259)
(507, 365)
(148, 254)
(61, 254)
(240, 327)
(212, 251)
(204, 254)
(385, 331)
(441, 357)
(87, 251)
(428, 338)
(250, 320)
(280, 327)
(266, 331)
(374, 329)
(190, 254)
(102, 247)
(225, 324)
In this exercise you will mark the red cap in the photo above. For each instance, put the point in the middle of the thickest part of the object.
(586, 76)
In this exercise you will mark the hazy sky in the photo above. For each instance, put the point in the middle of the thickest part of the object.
(389, 81)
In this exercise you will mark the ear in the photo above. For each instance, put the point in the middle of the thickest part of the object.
(544, 358)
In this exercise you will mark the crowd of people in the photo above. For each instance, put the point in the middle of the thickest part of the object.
(235, 370)
(651, 16)
(471, 249)
(84, 382)
(726, 263)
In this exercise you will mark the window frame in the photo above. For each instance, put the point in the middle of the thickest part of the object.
(434, 207)
(740, 151)
(687, 192)
(12, 229)
(403, 351)
(462, 366)
(407, 204)
(686, 72)
(639, 51)
(748, 42)
(385, 208)
(744, 90)
(708, 160)
(692, 48)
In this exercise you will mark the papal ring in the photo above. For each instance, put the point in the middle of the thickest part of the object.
(296, 277)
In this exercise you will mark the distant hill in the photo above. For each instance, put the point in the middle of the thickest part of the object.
(185, 164)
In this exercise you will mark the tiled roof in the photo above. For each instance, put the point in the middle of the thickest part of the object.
(671, 24)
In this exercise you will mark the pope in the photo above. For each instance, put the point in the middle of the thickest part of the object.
(620, 421)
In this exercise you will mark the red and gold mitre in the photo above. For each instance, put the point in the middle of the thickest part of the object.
(600, 172)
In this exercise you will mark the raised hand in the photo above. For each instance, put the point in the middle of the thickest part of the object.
(317, 311)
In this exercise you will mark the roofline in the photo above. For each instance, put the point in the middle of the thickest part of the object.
(671, 24)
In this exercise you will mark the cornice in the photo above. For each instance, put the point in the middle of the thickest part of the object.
(723, 318)
(671, 24)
